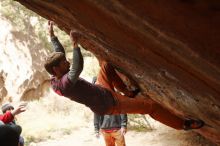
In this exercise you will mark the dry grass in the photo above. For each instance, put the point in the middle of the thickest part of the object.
(51, 117)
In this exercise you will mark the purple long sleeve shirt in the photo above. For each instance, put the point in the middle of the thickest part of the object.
(97, 98)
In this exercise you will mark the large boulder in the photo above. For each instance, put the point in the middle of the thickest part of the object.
(170, 48)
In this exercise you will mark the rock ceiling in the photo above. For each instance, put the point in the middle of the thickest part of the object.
(170, 48)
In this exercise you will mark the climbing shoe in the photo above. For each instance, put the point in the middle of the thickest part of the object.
(193, 124)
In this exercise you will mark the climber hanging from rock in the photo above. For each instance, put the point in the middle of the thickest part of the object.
(101, 98)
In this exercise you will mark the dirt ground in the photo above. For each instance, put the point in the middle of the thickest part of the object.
(163, 136)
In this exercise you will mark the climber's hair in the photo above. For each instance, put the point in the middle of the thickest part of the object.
(53, 60)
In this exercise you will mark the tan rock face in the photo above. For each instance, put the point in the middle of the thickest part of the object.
(21, 60)
(3, 91)
(170, 48)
